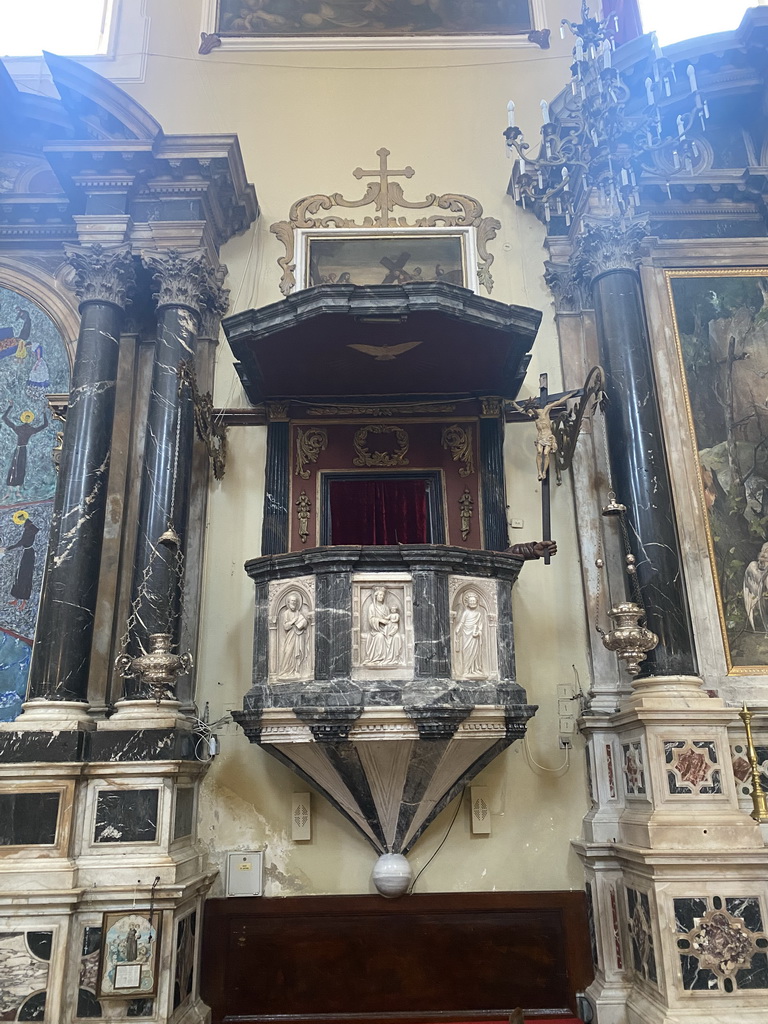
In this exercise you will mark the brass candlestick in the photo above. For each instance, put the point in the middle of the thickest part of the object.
(759, 805)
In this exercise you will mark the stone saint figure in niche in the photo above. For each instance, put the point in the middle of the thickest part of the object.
(25, 573)
(24, 432)
(384, 645)
(292, 637)
(468, 638)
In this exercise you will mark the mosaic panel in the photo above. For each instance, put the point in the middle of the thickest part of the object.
(33, 363)
(693, 767)
(721, 943)
(634, 768)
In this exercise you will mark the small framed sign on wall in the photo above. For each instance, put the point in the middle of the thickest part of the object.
(129, 954)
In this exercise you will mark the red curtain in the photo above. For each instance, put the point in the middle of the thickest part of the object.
(378, 511)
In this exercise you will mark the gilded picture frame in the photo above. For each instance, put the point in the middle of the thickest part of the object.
(130, 954)
(720, 325)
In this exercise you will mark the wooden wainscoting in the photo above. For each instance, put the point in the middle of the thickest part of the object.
(421, 958)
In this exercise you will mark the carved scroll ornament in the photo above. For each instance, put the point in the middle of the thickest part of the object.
(365, 457)
(309, 444)
(458, 441)
(451, 209)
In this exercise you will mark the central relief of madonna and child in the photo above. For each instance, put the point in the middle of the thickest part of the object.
(382, 627)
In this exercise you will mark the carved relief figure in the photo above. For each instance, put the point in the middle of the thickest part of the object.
(469, 638)
(384, 644)
(292, 637)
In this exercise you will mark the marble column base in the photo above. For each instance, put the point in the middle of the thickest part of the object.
(41, 715)
(673, 692)
(147, 714)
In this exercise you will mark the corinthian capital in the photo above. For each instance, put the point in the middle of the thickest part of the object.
(185, 278)
(102, 274)
(608, 245)
(571, 293)
(216, 304)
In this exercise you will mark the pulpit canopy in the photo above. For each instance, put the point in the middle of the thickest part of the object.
(430, 339)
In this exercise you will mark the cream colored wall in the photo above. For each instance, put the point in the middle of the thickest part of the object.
(304, 121)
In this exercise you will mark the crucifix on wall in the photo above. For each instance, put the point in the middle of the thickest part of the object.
(550, 416)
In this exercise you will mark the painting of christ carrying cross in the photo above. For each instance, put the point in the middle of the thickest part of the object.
(386, 258)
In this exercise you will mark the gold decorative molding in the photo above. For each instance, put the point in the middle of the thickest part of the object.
(309, 444)
(365, 457)
(458, 440)
(490, 406)
(466, 511)
(452, 209)
(277, 411)
(303, 512)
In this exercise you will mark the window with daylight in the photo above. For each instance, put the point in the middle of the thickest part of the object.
(69, 29)
(686, 19)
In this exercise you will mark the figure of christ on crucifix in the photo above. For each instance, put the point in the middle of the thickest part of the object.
(546, 446)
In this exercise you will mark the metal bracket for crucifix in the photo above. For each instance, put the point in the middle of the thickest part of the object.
(557, 430)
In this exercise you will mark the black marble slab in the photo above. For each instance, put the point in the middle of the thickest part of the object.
(140, 745)
(431, 624)
(126, 816)
(50, 747)
(333, 625)
(28, 819)
(274, 530)
(491, 433)
(261, 631)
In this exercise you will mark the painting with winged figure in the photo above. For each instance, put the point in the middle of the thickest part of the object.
(372, 17)
(721, 328)
(33, 364)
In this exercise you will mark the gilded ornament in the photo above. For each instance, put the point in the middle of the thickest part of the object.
(490, 406)
(466, 511)
(303, 511)
(365, 457)
(380, 410)
(158, 668)
(309, 444)
(458, 440)
(628, 638)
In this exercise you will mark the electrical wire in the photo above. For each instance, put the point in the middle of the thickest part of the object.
(442, 842)
(532, 760)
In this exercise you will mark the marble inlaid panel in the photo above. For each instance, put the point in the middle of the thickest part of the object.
(88, 1006)
(24, 965)
(741, 769)
(616, 929)
(591, 922)
(693, 767)
(641, 935)
(633, 763)
(474, 621)
(291, 617)
(28, 819)
(186, 929)
(722, 943)
(33, 362)
(185, 804)
(382, 626)
(126, 816)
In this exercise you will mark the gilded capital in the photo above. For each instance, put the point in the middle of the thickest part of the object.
(102, 274)
(614, 244)
(186, 278)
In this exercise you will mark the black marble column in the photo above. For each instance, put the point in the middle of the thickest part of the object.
(186, 286)
(274, 530)
(62, 651)
(636, 447)
(492, 474)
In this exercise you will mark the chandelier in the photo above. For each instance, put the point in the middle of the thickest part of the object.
(598, 136)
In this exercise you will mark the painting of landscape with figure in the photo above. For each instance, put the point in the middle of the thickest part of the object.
(33, 364)
(372, 17)
(721, 328)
